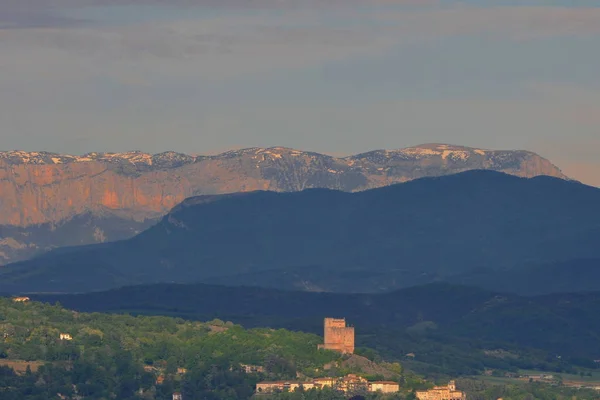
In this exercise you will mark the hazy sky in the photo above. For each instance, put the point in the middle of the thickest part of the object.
(334, 76)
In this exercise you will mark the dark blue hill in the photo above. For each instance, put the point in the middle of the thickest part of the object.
(423, 231)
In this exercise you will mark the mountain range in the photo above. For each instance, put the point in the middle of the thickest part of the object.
(42, 191)
(465, 227)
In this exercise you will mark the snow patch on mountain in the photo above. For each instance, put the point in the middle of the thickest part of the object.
(444, 154)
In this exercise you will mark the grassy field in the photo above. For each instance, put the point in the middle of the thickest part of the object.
(498, 380)
(567, 379)
(21, 366)
(594, 378)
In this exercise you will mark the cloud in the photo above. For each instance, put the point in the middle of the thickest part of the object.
(215, 48)
(53, 49)
(59, 13)
(229, 45)
(509, 22)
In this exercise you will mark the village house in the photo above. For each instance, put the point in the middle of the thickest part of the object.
(348, 383)
(177, 396)
(538, 378)
(448, 392)
(20, 299)
(282, 386)
(352, 383)
(65, 336)
(252, 369)
(322, 382)
(384, 387)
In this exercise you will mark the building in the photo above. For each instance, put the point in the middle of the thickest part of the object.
(352, 383)
(448, 392)
(252, 369)
(20, 299)
(538, 378)
(384, 387)
(177, 396)
(337, 336)
(322, 382)
(282, 386)
(65, 336)
(348, 383)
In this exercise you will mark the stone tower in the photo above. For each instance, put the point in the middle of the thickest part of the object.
(337, 336)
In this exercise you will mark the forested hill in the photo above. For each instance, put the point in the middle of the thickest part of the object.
(101, 356)
(465, 322)
(560, 322)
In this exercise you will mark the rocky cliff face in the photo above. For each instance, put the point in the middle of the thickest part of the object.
(38, 187)
(18, 243)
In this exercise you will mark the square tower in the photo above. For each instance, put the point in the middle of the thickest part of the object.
(337, 336)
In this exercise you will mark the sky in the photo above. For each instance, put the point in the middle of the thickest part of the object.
(334, 76)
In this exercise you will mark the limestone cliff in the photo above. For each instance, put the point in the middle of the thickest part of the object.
(19, 243)
(40, 187)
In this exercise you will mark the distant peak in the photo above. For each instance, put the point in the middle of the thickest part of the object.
(134, 157)
(447, 153)
(441, 147)
(443, 150)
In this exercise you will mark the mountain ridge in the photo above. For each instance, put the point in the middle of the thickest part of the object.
(161, 159)
(44, 189)
(422, 231)
(39, 187)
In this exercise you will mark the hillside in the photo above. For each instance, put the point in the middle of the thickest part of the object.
(31, 325)
(426, 230)
(450, 328)
(577, 275)
(99, 356)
